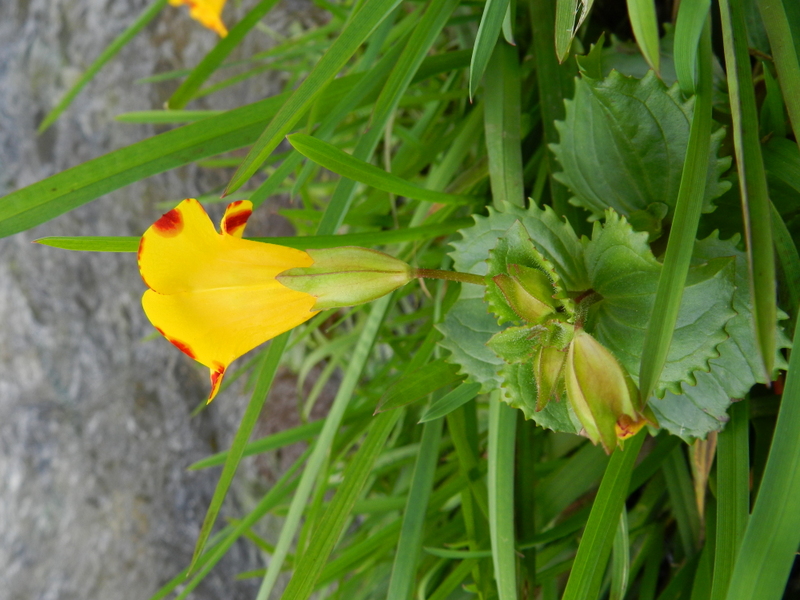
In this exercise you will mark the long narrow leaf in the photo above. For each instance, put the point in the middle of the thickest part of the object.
(118, 44)
(752, 179)
(329, 156)
(401, 583)
(486, 40)
(502, 123)
(642, 14)
(691, 194)
(323, 443)
(358, 29)
(212, 61)
(265, 376)
(772, 536)
(688, 28)
(566, 11)
(598, 537)
(733, 495)
(784, 51)
(502, 433)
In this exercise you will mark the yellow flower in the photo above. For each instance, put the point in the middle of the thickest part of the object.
(207, 12)
(214, 295)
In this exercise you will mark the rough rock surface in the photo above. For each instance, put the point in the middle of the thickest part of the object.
(95, 427)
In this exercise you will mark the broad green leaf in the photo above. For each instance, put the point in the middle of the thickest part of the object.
(485, 41)
(338, 161)
(625, 274)
(703, 407)
(417, 384)
(623, 143)
(519, 391)
(358, 29)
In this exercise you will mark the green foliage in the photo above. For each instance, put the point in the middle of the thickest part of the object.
(410, 122)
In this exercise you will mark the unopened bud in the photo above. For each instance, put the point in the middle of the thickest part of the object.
(601, 392)
(528, 292)
(347, 276)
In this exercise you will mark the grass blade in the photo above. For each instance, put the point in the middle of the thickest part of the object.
(418, 46)
(620, 559)
(502, 433)
(733, 494)
(126, 36)
(682, 498)
(555, 84)
(784, 52)
(502, 124)
(691, 194)
(642, 14)
(752, 179)
(323, 443)
(358, 29)
(212, 61)
(416, 384)
(265, 376)
(691, 17)
(486, 40)
(566, 10)
(87, 243)
(307, 571)
(773, 531)
(409, 547)
(329, 156)
(451, 401)
(598, 536)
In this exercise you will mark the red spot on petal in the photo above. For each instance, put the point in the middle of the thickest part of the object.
(236, 220)
(183, 347)
(170, 224)
(215, 375)
(161, 331)
(139, 251)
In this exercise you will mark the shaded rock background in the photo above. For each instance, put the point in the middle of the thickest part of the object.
(95, 432)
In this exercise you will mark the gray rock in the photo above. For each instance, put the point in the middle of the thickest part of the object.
(95, 427)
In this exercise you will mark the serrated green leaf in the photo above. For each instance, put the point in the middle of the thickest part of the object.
(519, 391)
(466, 328)
(515, 344)
(703, 407)
(623, 142)
(625, 274)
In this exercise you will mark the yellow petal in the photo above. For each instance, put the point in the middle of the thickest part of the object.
(182, 252)
(214, 295)
(206, 12)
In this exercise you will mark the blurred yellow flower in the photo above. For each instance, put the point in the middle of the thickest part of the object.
(214, 295)
(207, 12)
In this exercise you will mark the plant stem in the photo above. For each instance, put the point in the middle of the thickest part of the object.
(449, 276)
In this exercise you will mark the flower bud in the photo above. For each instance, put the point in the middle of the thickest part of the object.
(601, 392)
(528, 292)
(347, 276)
